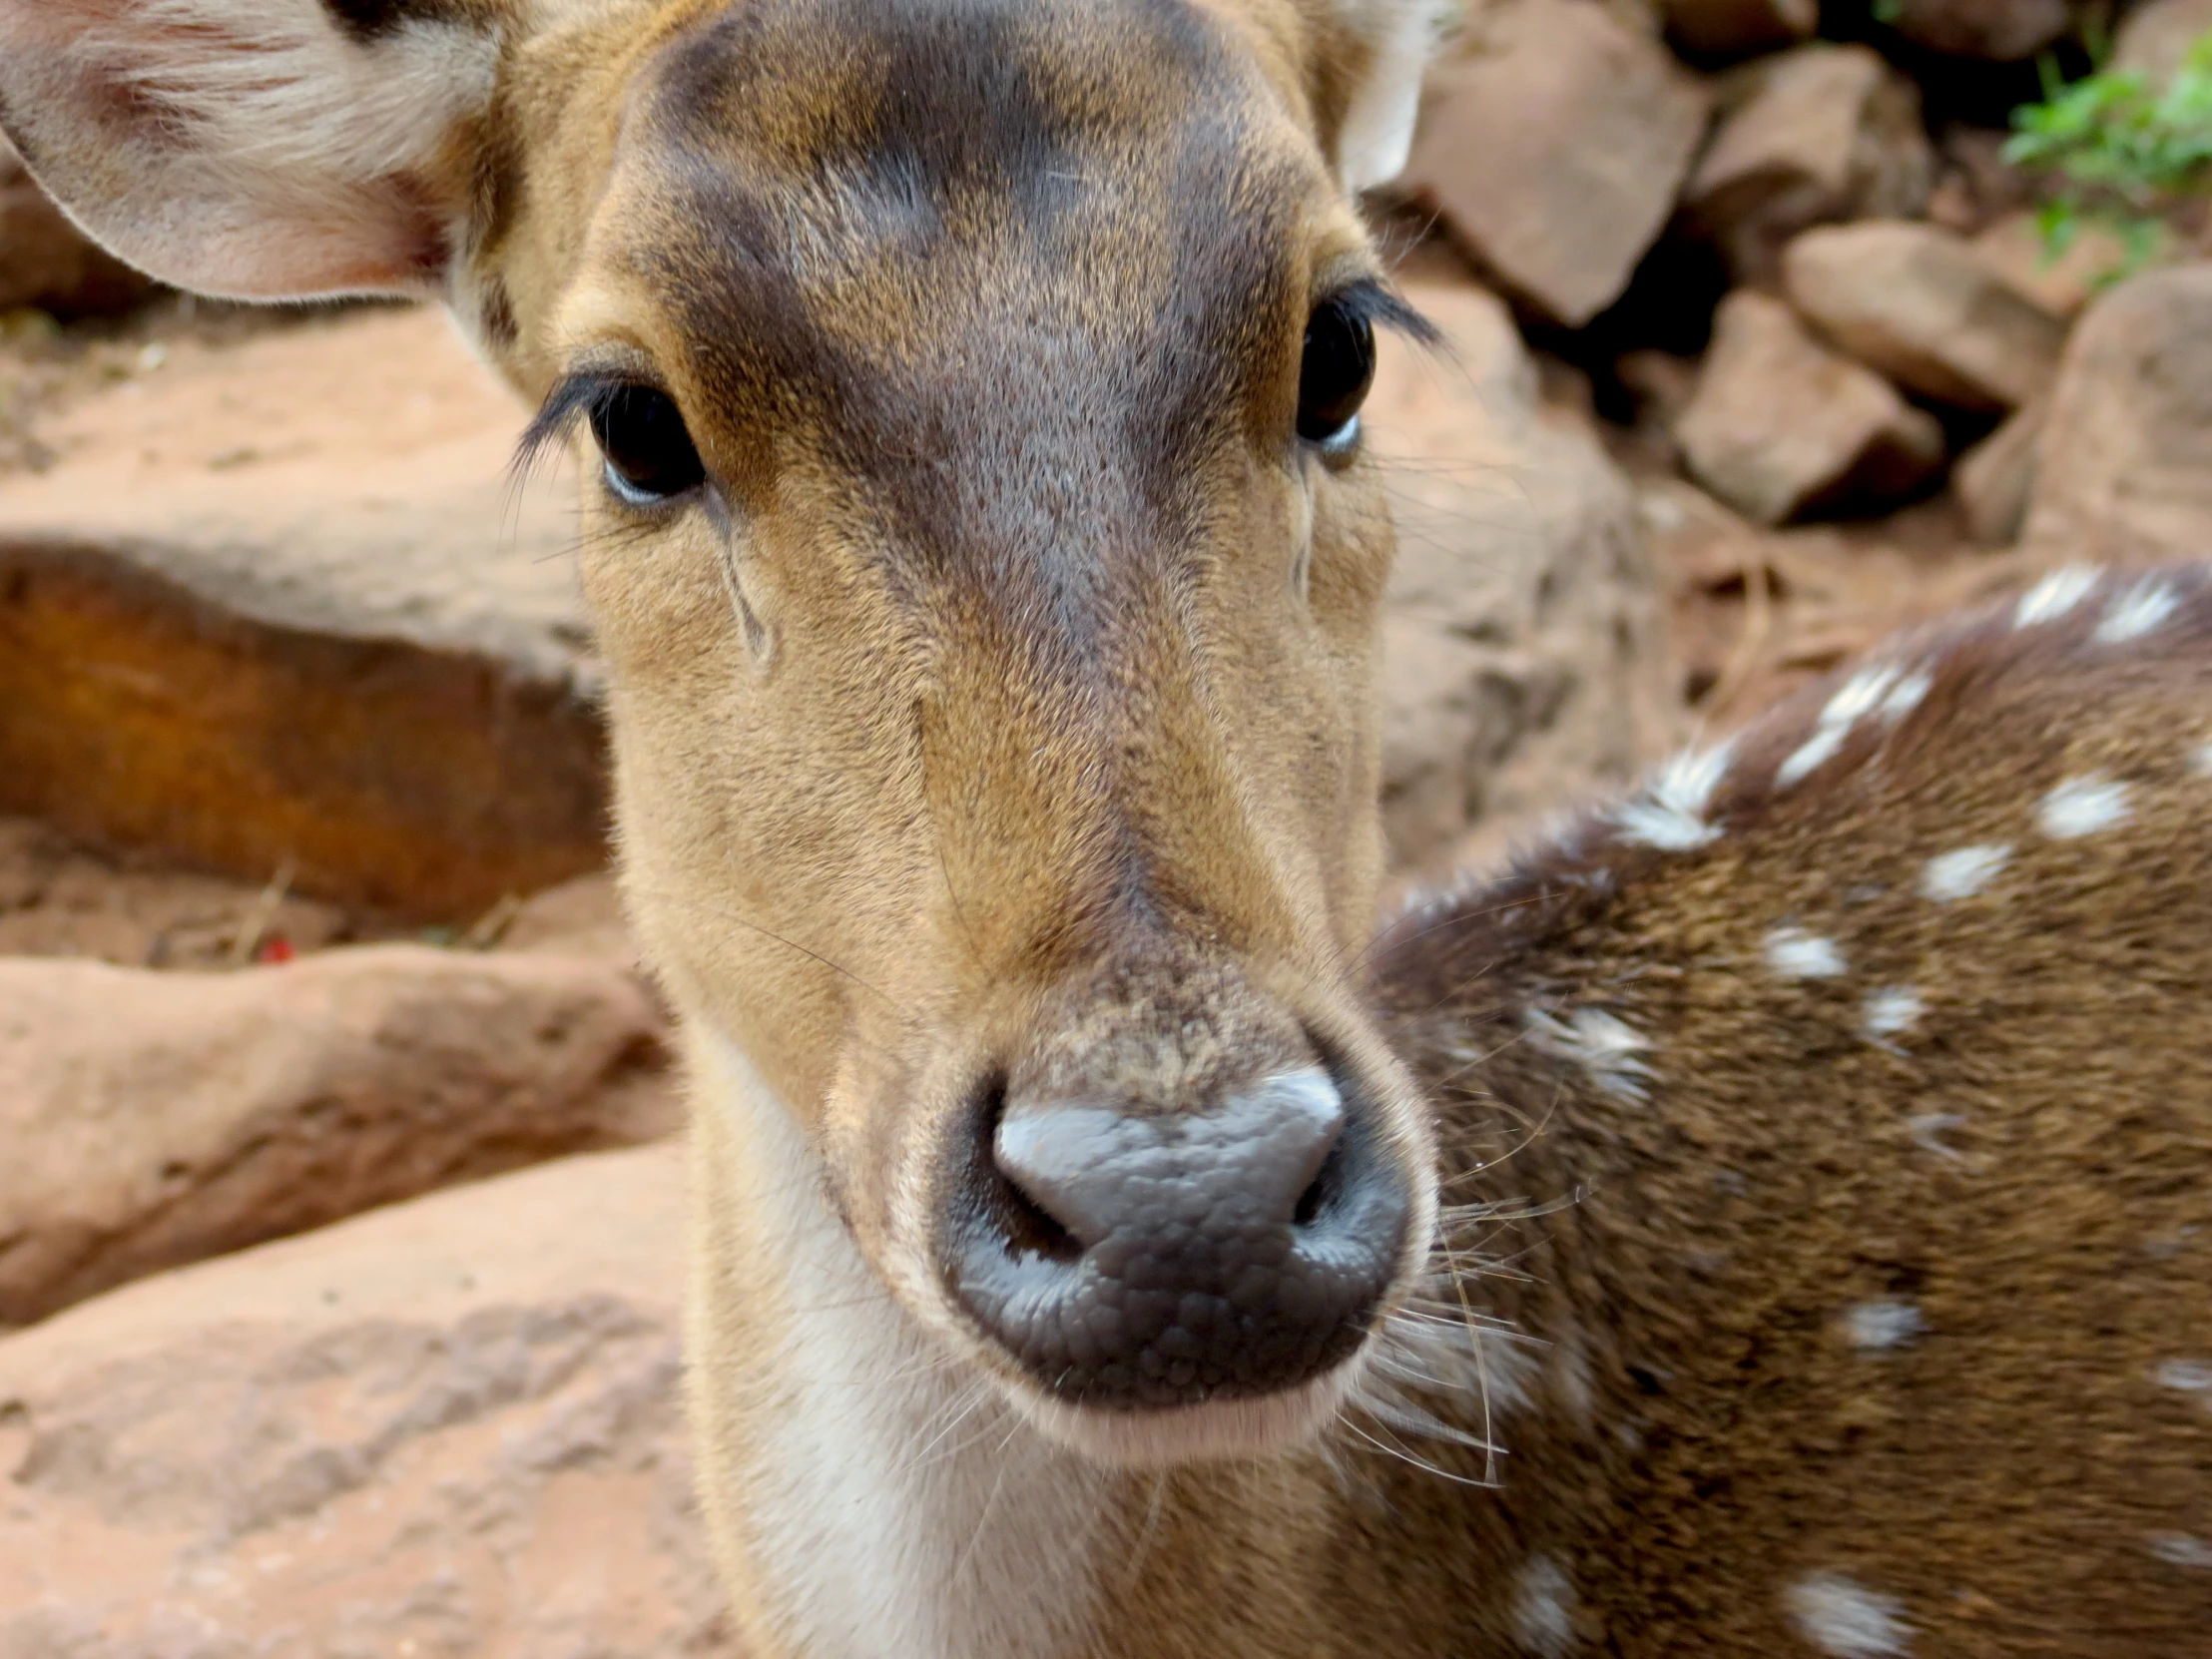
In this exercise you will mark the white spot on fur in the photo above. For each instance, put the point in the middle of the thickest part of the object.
(2082, 807)
(2181, 1549)
(1891, 1011)
(1926, 1130)
(1813, 753)
(1876, 1327)
(1603, 1046)
(2137, 611)
(1964, 873)
(1670, 814)
(2055, 595)
(1906, 694)
(2188, 1376)
(1795, 954)
(1858, 695)
(1846, 1619)
(1882, 688)
(1543, 1607)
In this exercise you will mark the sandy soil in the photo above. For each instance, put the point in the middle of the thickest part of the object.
(46, 368)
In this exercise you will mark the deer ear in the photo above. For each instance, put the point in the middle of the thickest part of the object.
(259, 149)
(1369, 59)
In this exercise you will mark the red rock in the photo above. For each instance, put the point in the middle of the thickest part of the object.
(1552, 142)
(1733, 28)
(1523, 659)
(154, 1119)
(1996, 479)
(1830, 133)
(2003, 31)
(1914, 302)
(2124, 469)
(446, 1430)
(283, 591)
(1780, 423)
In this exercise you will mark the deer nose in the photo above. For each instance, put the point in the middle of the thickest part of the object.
(1139, 1261)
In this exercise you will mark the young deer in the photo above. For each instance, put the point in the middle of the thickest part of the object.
(1767, 1223)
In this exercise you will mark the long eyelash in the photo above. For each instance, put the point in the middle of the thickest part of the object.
(574, 398)
(1370, 301)
(577, 396)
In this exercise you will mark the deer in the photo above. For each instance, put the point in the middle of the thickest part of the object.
(1771, 1216)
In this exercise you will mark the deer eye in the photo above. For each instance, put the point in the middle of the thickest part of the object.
(650, 456)
(1334, 378)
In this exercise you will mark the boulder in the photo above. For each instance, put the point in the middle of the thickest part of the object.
(1996, 478)
(1737, 28)
(278, 600)
(47, 262)
(1552, 140)
(2014, 249)
(153, 1119)
(2000, 31)
(1914, 302)
(2154, 37)
(1830, 133)
(1523, 657)
(2124, 469)
(444, 1430)
(1780, 423)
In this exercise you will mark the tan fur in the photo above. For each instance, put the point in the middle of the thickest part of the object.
(1818, 1271)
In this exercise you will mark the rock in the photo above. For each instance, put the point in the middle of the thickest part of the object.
(1661, 385)
(1780, 423)
(1737, 28)
(1830, 133)
(2013, 248)
(1914, 302)
(1552, 140)
(2124, 472)
(2000, 31)
(277, 601)
(447, 1429)
(582, 918)
(2154, 38)
(1523, 659)
(1996, 478)
(153, 1119)
(46, 262)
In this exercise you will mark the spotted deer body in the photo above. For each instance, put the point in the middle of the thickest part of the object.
(1705, 1241)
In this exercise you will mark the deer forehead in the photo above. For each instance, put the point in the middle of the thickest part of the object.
(1083, 229)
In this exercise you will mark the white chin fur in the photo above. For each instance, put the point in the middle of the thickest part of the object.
(1228, 1431)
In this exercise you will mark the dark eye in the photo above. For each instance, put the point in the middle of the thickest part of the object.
(1334, 378)
(650, 457)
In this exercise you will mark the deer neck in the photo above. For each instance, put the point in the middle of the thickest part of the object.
(875, 1502)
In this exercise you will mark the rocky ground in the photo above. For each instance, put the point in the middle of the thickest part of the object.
(337, 1237)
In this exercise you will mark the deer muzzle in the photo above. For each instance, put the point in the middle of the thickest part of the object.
(1143, 1260)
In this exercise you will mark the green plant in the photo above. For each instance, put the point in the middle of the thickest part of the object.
(2119, 152)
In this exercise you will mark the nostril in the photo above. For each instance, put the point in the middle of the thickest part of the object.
(1019, 1220)
(1325, 1186)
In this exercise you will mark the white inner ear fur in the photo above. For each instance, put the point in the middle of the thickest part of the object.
(245, 147)
(1377, 133)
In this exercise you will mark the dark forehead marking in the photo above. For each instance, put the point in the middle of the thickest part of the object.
(1051, 344)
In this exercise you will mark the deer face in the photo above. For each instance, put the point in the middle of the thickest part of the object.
(987, 567)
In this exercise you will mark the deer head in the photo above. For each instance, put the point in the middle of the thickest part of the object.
(981, 546)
